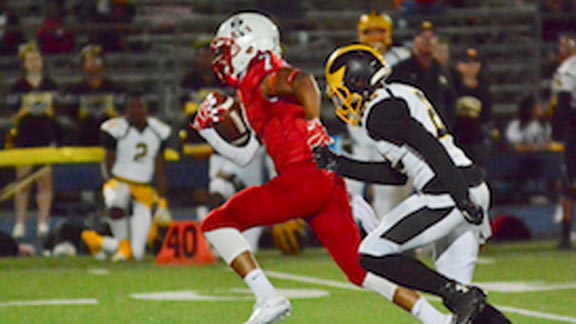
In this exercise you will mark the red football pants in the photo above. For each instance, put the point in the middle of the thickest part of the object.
(301, 190)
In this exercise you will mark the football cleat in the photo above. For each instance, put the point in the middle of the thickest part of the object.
(124, 252)
(465, 302)
(93, 241)
(491, 315)
(270, 311)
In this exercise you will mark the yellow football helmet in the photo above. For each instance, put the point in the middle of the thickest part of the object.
(352, 74)
(375, 30)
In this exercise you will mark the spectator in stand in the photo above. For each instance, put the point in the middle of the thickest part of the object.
(95, 99)
(53, 35)
(444, 57)
(33, 97)
(530, 130)
(99, 13)
(530, 135)
(10, 35)
(473, 123)
(423, 71)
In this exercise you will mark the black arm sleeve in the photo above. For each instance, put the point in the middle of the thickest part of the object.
(108, 142)
(391, 121)
(373, 172)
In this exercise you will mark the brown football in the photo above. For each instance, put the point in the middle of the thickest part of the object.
(234, 129)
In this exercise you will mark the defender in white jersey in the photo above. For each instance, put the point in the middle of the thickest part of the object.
(375, 30)
(564, 121)
(134, 158)
(451, 201)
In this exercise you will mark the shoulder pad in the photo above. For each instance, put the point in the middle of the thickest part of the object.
(404, 90)
(160, 127)
(116, 127)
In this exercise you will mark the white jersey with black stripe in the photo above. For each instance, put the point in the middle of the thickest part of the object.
(136, 150)
(403, 157)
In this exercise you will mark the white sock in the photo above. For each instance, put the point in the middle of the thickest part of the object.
(260, 285)
(380, 285)
(109, 245)
(427, 314)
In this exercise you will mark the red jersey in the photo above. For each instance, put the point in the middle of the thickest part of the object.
(279, 124)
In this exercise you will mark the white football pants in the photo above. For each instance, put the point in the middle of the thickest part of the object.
(423, 219)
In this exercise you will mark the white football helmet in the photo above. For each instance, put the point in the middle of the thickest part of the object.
(238, 40)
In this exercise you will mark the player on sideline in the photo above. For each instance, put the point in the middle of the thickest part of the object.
(134, 145)
(375, 30)
(452, 200)
(282, 106)
(564, 102)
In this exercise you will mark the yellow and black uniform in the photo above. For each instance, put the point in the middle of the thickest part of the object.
(92, 106)
(35, 124)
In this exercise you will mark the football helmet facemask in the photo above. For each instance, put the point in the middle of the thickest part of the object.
(238, 40)
(375, 30)
(353, 73)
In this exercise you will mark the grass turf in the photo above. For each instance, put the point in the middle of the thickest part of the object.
(36, 279)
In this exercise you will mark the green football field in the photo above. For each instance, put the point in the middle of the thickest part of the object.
(530, 282)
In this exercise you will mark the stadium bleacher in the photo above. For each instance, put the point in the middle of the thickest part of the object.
(162, 36)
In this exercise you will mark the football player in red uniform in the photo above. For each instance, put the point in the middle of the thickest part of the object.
(281, 105)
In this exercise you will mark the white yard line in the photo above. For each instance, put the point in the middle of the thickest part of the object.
(530, 313)
(520, 287)
(312, 280)
(338, 284)
(50, 302)
(99, 272)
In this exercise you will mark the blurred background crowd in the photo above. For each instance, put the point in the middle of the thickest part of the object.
(496, 59)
